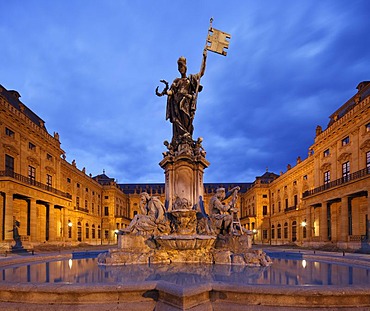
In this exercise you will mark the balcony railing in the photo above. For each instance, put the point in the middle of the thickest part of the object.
(290, 208)
(338, 182)
(32, 182)
(82, 209)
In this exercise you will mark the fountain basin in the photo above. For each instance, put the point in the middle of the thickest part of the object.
(143, 287)
(186, 242)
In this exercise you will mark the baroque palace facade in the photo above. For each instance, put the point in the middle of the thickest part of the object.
(322, 199)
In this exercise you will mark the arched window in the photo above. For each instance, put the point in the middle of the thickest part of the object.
(87, 232)
(79, 232)
(285, 230)
(93, 231)
(294, 231)
(279, 231)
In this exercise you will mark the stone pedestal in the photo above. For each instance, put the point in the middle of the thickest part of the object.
(184, 178)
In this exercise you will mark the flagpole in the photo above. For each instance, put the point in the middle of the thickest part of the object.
(203, 64)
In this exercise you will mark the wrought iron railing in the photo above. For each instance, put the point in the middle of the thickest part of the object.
(32, 182)
(290, 208)
(338, 182)
(82, 209)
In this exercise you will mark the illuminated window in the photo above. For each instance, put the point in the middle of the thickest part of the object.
(31, 173)
(345, 141)
(345, 170)
(326, 177)
(49, 180)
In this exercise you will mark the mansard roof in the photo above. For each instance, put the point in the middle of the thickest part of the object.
(159, 188)
(363, 91)
(12, 97)
(103, 179)
(268, 176)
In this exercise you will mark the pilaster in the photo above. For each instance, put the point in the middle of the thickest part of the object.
(52, 224)
(343, 219)
(324, 222)
(33, 220)
(9, 220)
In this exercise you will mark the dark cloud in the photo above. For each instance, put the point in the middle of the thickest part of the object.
(91, 75)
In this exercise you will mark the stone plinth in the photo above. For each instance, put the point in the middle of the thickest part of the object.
(184, 177)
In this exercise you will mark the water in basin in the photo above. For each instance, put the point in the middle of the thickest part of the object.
(283, 271)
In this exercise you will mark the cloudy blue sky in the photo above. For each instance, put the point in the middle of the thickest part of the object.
(89, 69)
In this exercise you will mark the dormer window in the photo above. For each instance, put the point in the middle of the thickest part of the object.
(345, 141)
(9, 132)
(31, 146)
(326, 153)
(367, 127)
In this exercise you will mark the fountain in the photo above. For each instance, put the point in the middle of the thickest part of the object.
(181, 231)
(177, 256)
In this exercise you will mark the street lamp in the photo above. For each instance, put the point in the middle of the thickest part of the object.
(254, 233)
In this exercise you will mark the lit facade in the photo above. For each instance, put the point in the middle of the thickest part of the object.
(322, 199)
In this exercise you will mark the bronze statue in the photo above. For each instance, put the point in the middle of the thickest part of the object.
(16, 236)
(182, 100)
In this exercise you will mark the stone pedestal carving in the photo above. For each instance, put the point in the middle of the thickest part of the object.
(184, 171)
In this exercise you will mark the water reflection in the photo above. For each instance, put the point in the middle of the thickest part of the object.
(281, 272)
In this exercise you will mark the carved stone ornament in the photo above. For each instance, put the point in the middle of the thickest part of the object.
(50, 169)
(365, 146)
(11, 149)
(345, 156)
(325, 167)
(33, 161)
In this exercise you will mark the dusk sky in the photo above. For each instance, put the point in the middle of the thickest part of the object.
(89, 69)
